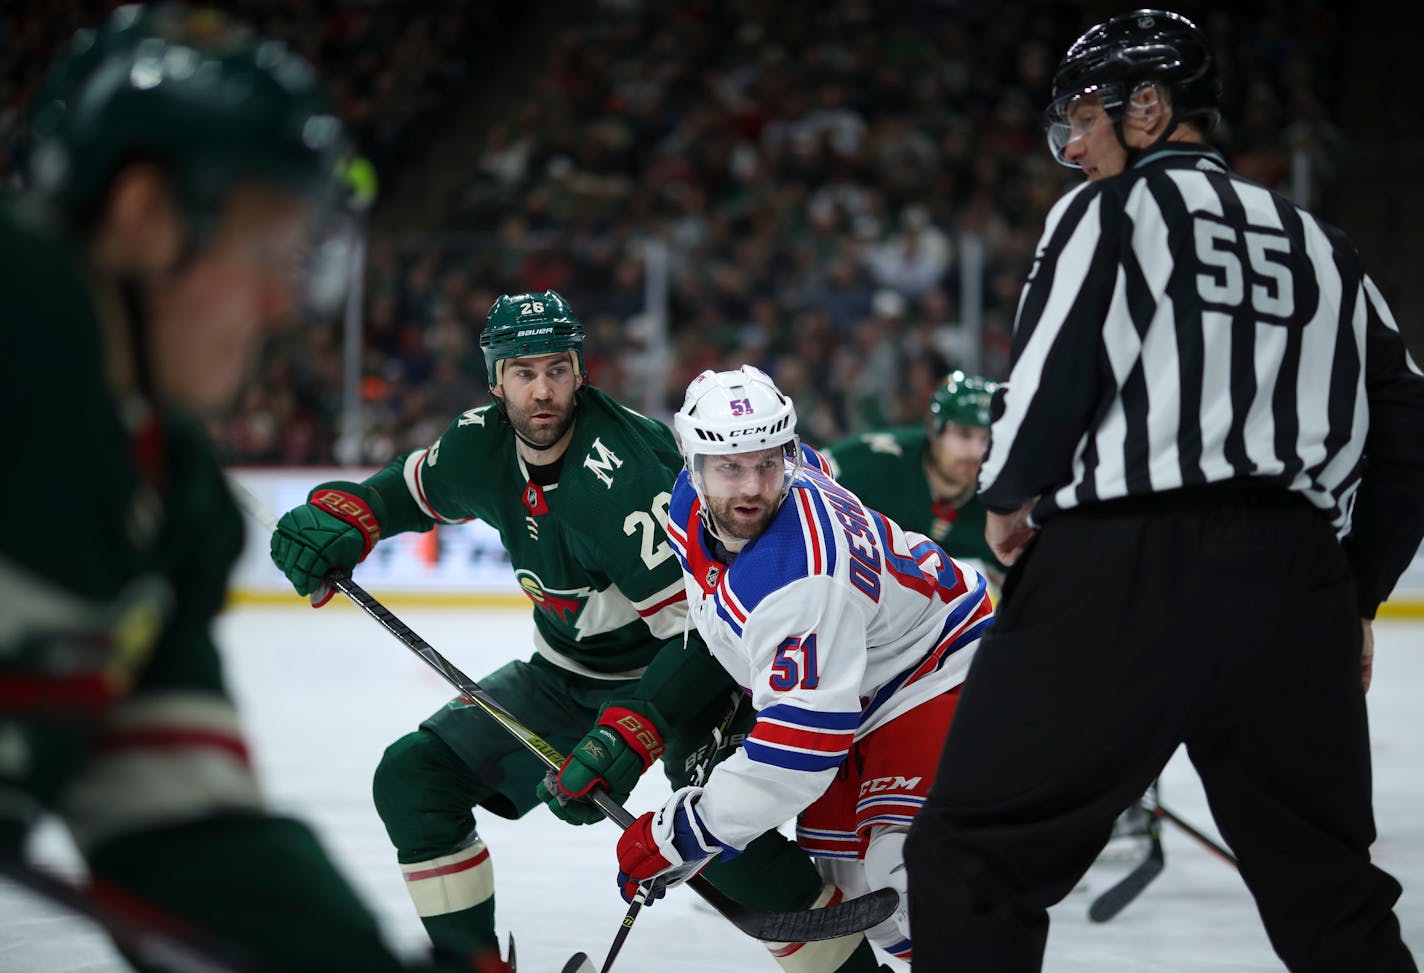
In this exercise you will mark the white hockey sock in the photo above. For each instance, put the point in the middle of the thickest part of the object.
(819, 957)
(450, 883)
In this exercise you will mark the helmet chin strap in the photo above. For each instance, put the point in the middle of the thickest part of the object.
(1136, 152)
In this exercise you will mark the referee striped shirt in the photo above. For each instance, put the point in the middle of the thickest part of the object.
(1184, 326)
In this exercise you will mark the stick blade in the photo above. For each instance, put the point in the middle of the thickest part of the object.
(812, 925)
(579, 963)
(1117, 898)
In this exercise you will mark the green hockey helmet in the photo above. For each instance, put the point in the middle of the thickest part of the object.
(963, 400)
(191, 90)
(528, 325)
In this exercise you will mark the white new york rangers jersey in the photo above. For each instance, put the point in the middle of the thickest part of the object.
(837, 621)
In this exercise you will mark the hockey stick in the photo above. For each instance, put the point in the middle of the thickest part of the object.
(654, 888)
(144, 932)
(810, 925)
(1115, 899)
(1210, 845)
(1131, 885)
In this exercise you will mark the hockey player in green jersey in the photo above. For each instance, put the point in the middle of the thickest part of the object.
(578, 487)
(924, 478)
(158, 237)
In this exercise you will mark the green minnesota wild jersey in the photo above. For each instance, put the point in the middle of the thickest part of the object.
(114, 562)
(590, 550)
(886, 469)
(115, 556)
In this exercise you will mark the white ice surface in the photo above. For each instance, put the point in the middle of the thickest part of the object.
(322, 693)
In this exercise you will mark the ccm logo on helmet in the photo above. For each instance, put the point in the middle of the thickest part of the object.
(751, 431)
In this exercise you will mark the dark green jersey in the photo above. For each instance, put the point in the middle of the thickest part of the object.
(886, 469)
(589, 551)
(113, 563)
(114, 571)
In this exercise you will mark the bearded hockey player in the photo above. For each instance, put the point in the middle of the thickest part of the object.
(578, 487)
(924, 477)
(851, 634)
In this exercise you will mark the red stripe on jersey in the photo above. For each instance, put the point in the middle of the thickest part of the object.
(819, 741)
(813, 530)
(730, 600)
(71, 692)
(680, 596)
(932, 662)
(698, 563)
(450, 869)
(174, 738)
(425, 501)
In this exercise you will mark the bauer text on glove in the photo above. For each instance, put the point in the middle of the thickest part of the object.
(613, 755)
(333, 531)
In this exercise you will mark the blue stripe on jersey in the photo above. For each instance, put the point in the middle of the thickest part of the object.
(813, 459)
(791, 759)
(771, 561)
(800, 716)
(680, 506)
(965, 608)
(778, 557)
(827, 537)
(727, 616)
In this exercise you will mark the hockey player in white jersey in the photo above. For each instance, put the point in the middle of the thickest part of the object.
(851, 634)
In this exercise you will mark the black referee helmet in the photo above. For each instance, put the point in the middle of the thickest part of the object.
(1117, 56)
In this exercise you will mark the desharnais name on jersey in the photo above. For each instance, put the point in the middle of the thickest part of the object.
(837, 621)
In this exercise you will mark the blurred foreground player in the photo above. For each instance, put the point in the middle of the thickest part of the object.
(180, 171)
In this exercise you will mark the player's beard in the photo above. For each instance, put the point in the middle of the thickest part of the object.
(731, 524)
(540, 435)
(958, 478)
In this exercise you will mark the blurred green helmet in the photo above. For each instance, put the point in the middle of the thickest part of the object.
(208, 100)
(528, 325)
(963, 400)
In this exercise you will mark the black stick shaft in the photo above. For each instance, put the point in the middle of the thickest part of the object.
(1210, 845)
(161, 940)
(831, 922)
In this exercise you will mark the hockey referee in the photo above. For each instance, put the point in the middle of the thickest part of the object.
(1207, 469)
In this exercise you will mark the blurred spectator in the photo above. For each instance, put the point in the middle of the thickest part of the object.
(811, 169)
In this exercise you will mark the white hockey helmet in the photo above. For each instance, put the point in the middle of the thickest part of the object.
(740, 411)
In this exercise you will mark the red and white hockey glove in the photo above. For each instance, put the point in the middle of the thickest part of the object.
(672, 844)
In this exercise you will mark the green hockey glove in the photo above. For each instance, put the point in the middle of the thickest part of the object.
(333, 531)
(613, 755)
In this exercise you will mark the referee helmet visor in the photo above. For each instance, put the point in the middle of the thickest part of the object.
(1070, 117)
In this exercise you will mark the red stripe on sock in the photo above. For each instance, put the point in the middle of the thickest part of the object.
(451, 869)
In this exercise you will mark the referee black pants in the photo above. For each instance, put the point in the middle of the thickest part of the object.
(1218, 617)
